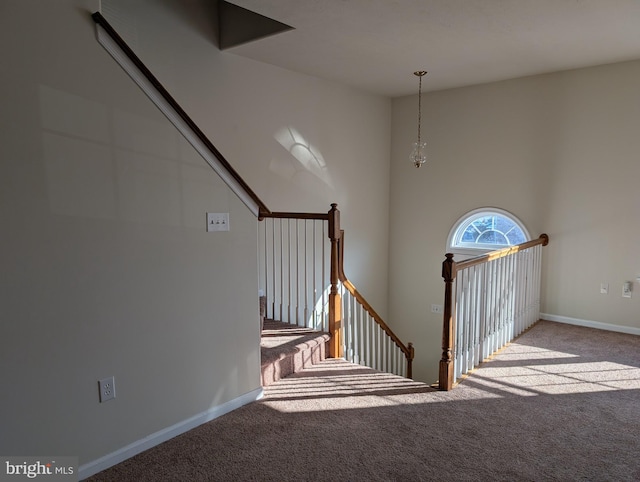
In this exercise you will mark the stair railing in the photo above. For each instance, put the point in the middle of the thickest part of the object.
(488, 301)
(368, 340)
(294, 261)
(303, 282)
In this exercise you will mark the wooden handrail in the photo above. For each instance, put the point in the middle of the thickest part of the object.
(450, 269)
(286, 215)
(408, 350)
(102, 22)
(543, 239)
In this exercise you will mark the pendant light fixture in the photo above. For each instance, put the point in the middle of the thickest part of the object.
(418, 155)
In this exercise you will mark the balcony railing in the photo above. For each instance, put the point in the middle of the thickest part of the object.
(488, 301)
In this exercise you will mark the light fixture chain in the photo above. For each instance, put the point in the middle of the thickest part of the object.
(419, 106)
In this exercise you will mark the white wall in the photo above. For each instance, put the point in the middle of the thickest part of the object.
(106, 268)
(560, 151)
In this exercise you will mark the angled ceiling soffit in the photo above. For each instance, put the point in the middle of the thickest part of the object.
(237, 25)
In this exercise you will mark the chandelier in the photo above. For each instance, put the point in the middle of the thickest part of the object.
(418, 155)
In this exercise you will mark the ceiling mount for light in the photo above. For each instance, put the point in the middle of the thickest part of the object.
(418, 155)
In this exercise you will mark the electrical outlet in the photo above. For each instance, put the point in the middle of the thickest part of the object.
(604, 288)
(626, 289)
(107, 388)
(437, 309)
(217, 222)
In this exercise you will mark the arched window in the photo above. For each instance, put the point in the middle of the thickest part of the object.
(486, 229)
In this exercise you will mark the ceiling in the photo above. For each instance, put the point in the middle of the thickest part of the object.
(376, 45)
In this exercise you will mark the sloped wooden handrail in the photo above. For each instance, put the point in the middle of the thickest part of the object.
(543, 239)
(192, 127)
(408, 349)
(450, 269)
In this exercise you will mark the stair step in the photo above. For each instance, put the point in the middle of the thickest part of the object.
(347, 384)
(286, 349)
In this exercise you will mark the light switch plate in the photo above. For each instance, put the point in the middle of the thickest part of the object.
(217, 222)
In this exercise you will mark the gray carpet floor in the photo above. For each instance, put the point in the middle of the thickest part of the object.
(561, 403)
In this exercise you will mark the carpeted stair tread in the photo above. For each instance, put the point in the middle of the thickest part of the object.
(287, 349)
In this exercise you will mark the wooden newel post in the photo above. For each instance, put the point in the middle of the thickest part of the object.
(445, 380)
(545, 239)
(335, 315)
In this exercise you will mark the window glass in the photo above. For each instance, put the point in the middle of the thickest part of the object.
(487, 229)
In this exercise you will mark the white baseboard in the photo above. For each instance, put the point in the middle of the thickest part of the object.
(591, 324)
(120, 455)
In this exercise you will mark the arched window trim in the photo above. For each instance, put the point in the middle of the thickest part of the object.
(453, 241)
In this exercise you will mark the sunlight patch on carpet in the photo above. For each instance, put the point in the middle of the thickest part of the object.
(558, 378)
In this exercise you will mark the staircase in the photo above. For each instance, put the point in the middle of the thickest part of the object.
(286, 349)
(302, 283)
